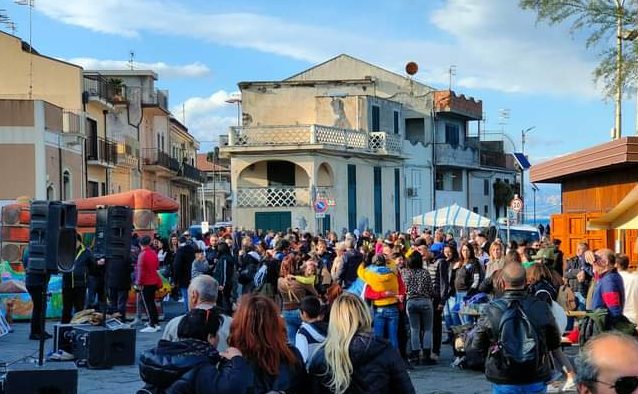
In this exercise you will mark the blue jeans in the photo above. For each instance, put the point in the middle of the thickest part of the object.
(183, 291)
(457, 318)
(532, 388)
(293, 322)
(386, 321)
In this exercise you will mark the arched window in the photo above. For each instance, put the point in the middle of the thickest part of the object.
(66, 185)
(50, 193)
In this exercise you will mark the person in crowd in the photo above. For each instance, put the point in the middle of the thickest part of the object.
(182, 266)
(437, 246)
(192, 364)
(448, 292)
(118, 279)
(211, 250)
(420, 307)
(511, 367)
(468, 277)
(292, 292)
(313, 330)
(259, 332)
(352, 359)
(202, 294)
(36, 284)
(381, 279)
(96, 286)
(438, 273)
(324, 259)
(630, 283)
(496, 258)
(160, 247)
(249, 264)
(609, 292)
(200, 265)
(539, 285)
(608, 364)
(224, 273)
(148, 280)
(559, 257)
(337, 263)
(483, 243)
(352, 258)
(74, 283)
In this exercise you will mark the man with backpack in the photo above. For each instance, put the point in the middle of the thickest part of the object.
(516, 334)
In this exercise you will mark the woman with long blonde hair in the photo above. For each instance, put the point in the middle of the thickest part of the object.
(352, 360)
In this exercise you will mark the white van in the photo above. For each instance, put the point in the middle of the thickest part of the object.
(517, 232)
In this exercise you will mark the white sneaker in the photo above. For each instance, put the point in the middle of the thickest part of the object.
(151, 329)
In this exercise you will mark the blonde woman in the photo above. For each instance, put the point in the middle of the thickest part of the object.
(338, 261)
(352, 360)
(497, 259)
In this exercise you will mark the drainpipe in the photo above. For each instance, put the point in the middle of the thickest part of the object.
(433, 157)
(108, 170)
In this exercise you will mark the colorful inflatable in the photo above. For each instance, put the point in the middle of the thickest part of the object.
(14, 237)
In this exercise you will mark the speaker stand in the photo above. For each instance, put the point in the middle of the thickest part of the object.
(43, 317)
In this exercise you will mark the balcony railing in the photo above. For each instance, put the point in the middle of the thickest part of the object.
(156, 157)
(190, 172)
(101, 150)
(218, 187)
(96, 87)
(158, 98)
(456, 156)
(373, 142)
(73, 122)
(273, 197)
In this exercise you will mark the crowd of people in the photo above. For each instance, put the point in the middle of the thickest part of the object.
(292, 312)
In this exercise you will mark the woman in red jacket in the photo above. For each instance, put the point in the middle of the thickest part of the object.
(149, 281)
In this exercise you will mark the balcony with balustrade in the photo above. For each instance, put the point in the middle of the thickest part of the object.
(190, 175)
(159, 162)
(313, 137)
(457, 155)
(273, 197)
(157, 99)
(101, 152)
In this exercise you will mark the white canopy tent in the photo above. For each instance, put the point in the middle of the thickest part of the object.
(453, 215)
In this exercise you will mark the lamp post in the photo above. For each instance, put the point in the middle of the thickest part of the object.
(534, 189)
(523, 135)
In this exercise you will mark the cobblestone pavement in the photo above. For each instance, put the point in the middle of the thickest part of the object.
(438, 379)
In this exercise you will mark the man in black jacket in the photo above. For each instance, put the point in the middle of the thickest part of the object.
(348, 271)
(74, 283)
(182, 265)
(486, 340)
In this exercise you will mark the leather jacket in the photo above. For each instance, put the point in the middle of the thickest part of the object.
(540, 314)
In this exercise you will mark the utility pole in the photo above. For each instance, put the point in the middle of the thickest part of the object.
(523, 134)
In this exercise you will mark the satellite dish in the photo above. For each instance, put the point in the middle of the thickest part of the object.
(411, 68)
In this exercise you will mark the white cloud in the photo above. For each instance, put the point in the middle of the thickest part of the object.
(207, 117)
(193, 70)
(494, 44)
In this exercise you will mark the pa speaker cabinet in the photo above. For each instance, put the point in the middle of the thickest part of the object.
(63, 336)
(103, 348)
(113, 230)
(59, 378)
(52, 237)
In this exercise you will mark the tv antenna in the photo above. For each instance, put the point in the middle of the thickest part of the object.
(451, 73)
(131, 60)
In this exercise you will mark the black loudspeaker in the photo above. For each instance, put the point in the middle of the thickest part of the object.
(113, 230)
(102, 348)
(52, 237)
(58, 378)
(63, 336)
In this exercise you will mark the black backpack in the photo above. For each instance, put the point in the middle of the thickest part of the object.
(518, 345)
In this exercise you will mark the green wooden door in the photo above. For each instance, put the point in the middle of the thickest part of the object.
(276, 221)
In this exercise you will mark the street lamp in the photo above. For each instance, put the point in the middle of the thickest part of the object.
(534, 189)
(523, 135)
(235, 99)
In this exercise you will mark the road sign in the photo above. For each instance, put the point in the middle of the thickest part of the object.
(516, 204)
(320, 205)
(320, 215)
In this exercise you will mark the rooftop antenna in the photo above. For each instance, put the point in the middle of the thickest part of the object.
(131, 60)
(503, 116)
(31, 5)
(451, 73)
(9, 24)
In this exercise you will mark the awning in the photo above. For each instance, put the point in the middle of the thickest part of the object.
(624, 216)
(453, 215)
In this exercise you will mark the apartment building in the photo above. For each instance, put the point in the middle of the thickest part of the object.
(349, 145)
(217, 190)
(42, 124)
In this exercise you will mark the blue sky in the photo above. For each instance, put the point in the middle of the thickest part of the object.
(201, 49)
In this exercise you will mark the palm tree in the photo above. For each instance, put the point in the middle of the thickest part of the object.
(503, 194)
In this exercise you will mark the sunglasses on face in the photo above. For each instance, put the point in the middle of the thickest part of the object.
(623, 385)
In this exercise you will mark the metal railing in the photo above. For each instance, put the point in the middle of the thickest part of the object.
(373, 142)
(192, 173)
(273, 197)
(156, 157)
(102, 150)
(157, 98)
(99, 87)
